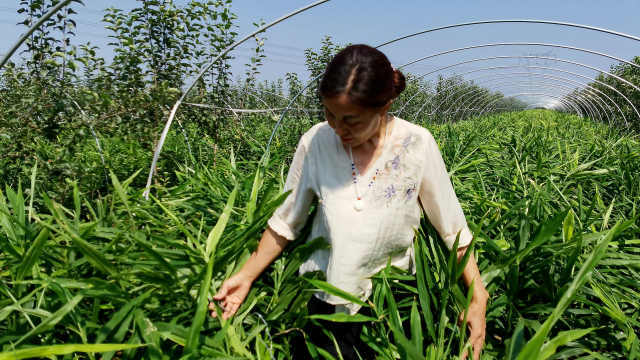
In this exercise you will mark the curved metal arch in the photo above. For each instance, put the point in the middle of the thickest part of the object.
(523, 94)
(535, 57)
(571, 105)
(541, 103)
(521, 44)
(493, 97)
(579, 102)
(587, 87)
(204, 69)
(571, 102)
(467, 91)
(590, 107)
(555, 69)
(545, 105)
(562, 71)
(431, 30)
(568, 104)
(461, 96)
(505, 21)
(285, 98)
(546, 76)
(499, 110)
(490, 103)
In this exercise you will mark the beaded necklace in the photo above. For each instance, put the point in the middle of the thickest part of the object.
(359, 203)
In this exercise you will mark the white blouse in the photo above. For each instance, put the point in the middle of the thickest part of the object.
(410, 168)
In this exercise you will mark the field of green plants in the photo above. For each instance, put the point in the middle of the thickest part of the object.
(551, 198)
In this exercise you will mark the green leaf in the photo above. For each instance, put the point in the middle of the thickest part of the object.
(330, 289)
(423, 291)
(342, 317)
(201, 309)
(52, 320)
(517, 341)
(120, 191)
(543, 235)
(568, 227)
(216, 232)
(94, 256)
(562, 339)
(258, 179)
(175, 219)
(120, 315)
(416, 327)
(52, 350)
(33, 254)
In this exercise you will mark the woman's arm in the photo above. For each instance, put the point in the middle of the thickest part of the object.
(283, 227)
(270, 247)
(478, 308)
(235, 289)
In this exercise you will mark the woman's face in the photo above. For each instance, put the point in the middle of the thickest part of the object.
(354, 124)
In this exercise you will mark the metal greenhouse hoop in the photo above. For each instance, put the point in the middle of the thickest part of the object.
(569, 97)
(562, 71)
(522, 94)
(563, 80)
(486, 106)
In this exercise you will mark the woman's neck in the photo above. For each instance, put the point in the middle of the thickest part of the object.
(377, 140)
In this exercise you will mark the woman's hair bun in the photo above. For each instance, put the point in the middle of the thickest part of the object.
(399, 83)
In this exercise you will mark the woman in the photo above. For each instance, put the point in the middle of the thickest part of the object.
(370, 172)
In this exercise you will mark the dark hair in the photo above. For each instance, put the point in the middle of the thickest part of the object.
(364, 74)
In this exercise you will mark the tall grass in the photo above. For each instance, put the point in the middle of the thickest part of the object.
(550, 198)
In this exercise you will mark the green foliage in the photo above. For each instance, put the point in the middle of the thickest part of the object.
(316, 62)
(114, 269)
(48, 47)
(256, 59)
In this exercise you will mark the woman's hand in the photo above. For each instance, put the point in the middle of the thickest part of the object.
(231, 295)
(235, 289)
(476, 323)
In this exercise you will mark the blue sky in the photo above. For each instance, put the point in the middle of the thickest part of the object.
(373, 22)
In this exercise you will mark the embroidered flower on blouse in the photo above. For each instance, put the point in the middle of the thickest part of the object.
(395, 162)
(398, 177)
(406, 142)
(390, 191)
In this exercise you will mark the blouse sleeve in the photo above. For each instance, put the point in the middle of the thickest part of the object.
(439, 200)
(291, 215)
